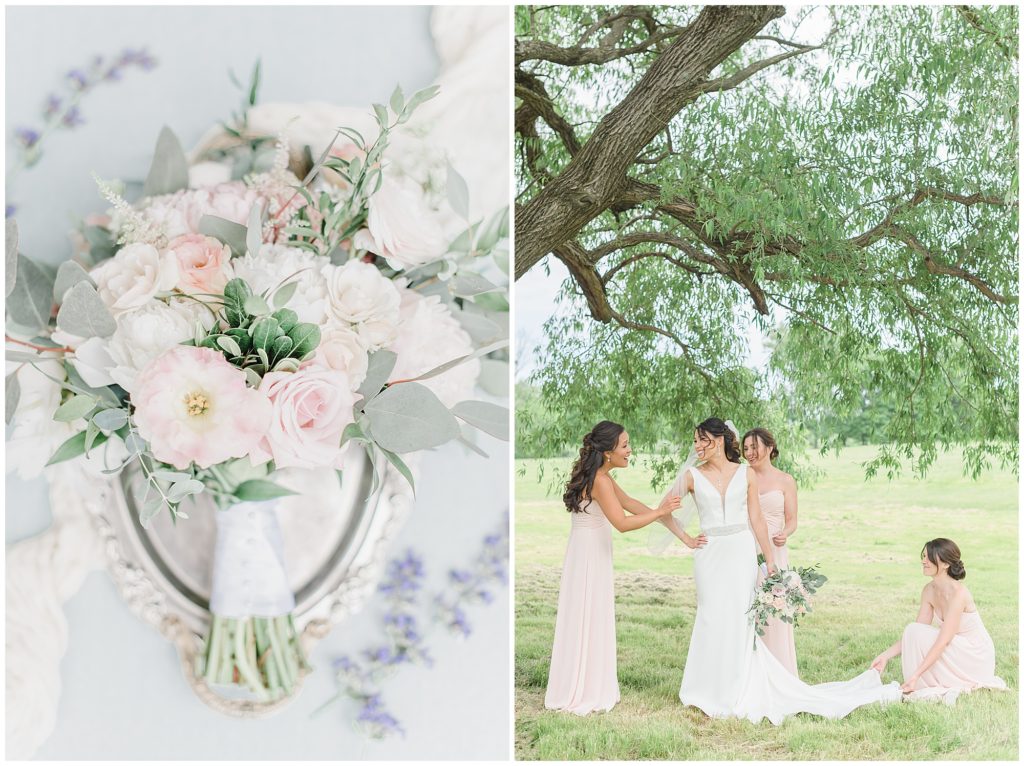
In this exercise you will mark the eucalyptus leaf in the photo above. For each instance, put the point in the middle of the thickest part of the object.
(470, 445)
(230, 233)
(254, 231)
(69, 274)
(84, 314)
(260, 489)
(494, 377)
(182, 489)
(110, 420)
(458, 192)
(379, 367)
(481, 329)
(171, 476)
(12, 391)
(264, 330)
(73, 447)
(467, 284)
(255, 305)
(11, 254)
(135, 444)
(31, 299)
(229, 344)
(462, 360)
(397, 100)
(305, 337)
(150, 509)
(74, 408)
(91, 432)
(252, 378)
(169, 170)
(283, 295)
(489, 418)
(409, 417)
(403, 469)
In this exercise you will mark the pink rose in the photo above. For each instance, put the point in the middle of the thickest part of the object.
(778, 590)
(193, 406)
(311, 409)
(203, 263)
(778, 603)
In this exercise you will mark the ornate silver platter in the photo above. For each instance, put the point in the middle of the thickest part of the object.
(335, 539)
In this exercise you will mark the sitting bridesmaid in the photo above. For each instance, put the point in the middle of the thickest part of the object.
(582, 677)
(777, 492)
(956, 656)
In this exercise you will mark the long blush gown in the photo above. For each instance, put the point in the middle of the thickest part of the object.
(778, 635)
(968, 662)
(582, 677)
(729, 671)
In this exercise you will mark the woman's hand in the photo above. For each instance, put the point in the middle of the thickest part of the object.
(668, 505)
(696, 542)
(780, 539)
(909, 684)
(770, 568)
(879, 663)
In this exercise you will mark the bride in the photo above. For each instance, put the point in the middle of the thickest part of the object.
(729, 672)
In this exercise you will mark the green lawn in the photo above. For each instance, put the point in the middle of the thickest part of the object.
(866, 535)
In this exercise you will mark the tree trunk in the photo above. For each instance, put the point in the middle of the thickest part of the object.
(588, 184)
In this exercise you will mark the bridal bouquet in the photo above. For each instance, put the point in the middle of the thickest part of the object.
(785, 595)
(251, 312)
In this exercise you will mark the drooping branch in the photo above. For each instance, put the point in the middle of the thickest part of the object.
(973, 18)
(592, 179)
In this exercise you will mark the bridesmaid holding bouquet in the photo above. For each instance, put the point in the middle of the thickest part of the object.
(583, 675)
(777, 493)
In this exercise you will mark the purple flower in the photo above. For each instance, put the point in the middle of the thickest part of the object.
(53, 105)
(78, 79)
(73, 118)
(27, 137)
(10, 210)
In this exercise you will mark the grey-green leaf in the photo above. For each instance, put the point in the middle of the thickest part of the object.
(282, 296)
(169, 171)
(379, 367)
(254, 231)
(73, 447)
(403, 469)
(255, 305)
(110, 420)
(229, 344)
(84, 314)
(467, 284)
(230, 233)
(31, 298)
(263, 333)
(75, 407)
(409, 417)
(69, 274)
(305, 337)
(489, 418)
(182, 489)
(260, 489)
(12, 390)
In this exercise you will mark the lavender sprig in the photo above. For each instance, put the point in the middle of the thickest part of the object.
(61, 109)
(404, 640)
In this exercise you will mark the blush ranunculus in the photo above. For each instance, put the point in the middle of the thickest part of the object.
(203, 263)
(311, 409)
(134, 276)
(191, 405)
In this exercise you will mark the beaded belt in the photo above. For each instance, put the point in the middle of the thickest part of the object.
(729, 529)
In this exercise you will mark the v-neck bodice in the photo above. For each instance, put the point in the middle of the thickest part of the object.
(720, 515)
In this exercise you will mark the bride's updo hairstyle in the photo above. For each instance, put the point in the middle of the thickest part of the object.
(714, 427)
(764, 436)
(946, 551)
(603, 438)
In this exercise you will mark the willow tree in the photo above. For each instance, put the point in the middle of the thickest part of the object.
(844, 179)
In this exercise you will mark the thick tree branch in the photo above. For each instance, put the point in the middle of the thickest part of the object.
(537, 103)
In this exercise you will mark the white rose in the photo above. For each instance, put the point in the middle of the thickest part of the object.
(208, 174)
(36, 435)
(143, 335)
(428, 336)
(401, 227)
(134, 276)
(91, 359)
(359, 295)
(341, 349)
(278, 263)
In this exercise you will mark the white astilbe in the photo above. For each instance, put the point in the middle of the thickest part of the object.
(133, 226)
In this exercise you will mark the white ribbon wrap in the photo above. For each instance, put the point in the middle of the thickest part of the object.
(249, 576)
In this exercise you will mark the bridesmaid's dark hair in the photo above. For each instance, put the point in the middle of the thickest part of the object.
(946, 551)
(716, 427)
(602, 438)
(764, 436)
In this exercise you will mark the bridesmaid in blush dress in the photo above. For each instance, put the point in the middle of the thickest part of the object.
(777, 492)
(582, 677)
(958, 655)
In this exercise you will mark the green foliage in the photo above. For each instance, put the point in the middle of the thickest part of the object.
(857, 205)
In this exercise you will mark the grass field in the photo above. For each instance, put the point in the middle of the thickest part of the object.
(867, 536)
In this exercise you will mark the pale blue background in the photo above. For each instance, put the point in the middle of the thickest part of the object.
(123, 693)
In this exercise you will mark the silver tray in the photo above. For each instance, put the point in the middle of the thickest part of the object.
(334, 552)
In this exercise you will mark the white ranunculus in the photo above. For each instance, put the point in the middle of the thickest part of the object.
(144, 334)
(277, 263)
(134, 276)
(428, 336)
(360, 296)
(208, 174)
(401, 226)
(36, 435)
(91, 359)
(341, 349)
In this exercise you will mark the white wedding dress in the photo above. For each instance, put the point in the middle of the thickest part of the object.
(729, 671)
